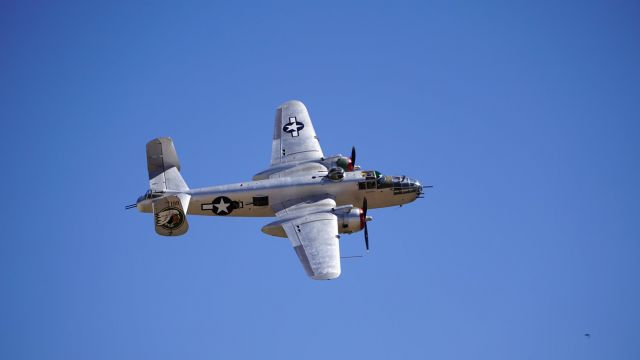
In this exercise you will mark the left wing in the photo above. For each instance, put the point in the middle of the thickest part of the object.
(294, 138)
(313, 231)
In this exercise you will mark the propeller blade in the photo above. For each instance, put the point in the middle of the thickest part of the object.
(353, 155)
(366, 230)
(364, 207)
(366, 236)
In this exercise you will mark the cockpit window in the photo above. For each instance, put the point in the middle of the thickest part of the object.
(385, 182)
(369, 175)
(375, 179)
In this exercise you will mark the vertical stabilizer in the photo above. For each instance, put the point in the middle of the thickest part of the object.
(163, 166)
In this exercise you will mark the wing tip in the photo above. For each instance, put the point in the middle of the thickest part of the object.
(292, 103)
(326, 276)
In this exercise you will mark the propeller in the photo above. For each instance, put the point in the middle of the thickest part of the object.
(353, 157)
(366, 231)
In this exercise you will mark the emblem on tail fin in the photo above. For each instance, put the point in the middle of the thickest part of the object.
(293, 127)
(170, 218)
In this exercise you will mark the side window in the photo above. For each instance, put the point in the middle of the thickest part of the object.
(260, 201)
(371, 184)
(362, 185)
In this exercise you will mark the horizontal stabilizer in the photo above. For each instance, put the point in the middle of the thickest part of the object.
(170, 215)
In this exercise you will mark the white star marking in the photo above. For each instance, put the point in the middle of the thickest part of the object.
(222, 206)
(292, 126)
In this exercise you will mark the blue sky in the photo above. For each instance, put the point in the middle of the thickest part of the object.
(524, 115)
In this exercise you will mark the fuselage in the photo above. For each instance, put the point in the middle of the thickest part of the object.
(260, 198)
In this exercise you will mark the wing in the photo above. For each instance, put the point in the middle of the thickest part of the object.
(313, 231)
(294, 139)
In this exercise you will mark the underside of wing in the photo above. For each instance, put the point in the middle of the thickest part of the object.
(315, 240)
(294, 138)
(313, 231)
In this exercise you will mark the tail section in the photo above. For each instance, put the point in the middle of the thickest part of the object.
(163, 166)
(170, 210)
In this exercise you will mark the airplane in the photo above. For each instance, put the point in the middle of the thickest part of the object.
(314, 198)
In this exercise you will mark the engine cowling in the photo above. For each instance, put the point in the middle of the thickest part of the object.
(344, 163)
(351, 221)
(336, 174)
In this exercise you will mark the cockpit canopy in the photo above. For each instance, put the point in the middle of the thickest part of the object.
(375, 179)
(400, 184)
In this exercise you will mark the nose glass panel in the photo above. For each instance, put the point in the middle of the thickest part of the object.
(405, 185)
(418, 186)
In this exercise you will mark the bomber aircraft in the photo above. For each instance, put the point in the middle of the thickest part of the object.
(314, 198)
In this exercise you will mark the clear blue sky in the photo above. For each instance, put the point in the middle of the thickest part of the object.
(524, 115)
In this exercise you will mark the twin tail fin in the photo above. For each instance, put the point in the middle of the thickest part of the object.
(170, 211)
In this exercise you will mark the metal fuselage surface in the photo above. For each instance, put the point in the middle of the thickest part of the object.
(257, 198)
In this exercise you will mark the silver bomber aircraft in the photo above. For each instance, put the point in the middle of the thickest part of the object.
(314, 198)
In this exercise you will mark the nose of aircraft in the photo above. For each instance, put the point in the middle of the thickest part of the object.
(405, 185)
(416, 184)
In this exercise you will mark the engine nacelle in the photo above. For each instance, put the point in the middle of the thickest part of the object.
(351, 221)
(344, 163)
(336, 174)
(338, 161)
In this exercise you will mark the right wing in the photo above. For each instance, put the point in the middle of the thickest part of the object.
(294, 139)
(313, 231)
